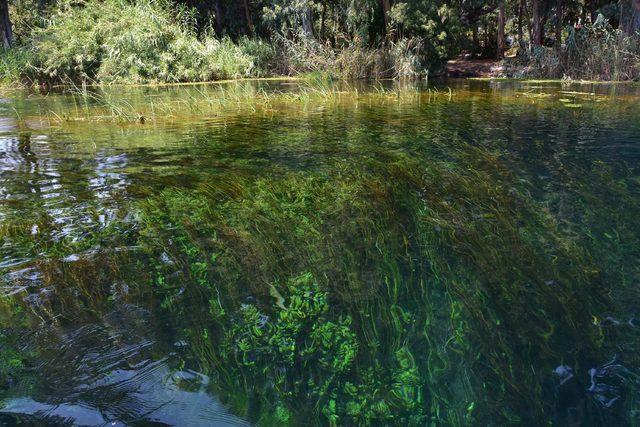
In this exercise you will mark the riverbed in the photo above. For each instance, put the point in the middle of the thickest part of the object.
(286, 252)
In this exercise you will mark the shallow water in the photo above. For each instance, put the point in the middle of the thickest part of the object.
(278, 252)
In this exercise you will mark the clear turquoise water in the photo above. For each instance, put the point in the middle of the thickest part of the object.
(277, 253)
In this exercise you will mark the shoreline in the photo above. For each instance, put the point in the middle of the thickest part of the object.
(491, 69)
(524, 80)
(537, 81)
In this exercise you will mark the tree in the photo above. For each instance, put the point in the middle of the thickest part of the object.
(537, 23)
(307, 21)
(386, 8)
(5, 24)
(521, 10)
(501, 23)
(629, 15)
(559, 20)
(247, 14)
(218, 18)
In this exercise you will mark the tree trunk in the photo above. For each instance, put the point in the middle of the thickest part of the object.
(501, 24)
(247, 14)
(307, 22)
(520, 18)
(630, 16)
(537, 24)
(476, 39)
(322, 21)
(5, 24)
(218, 18)
(559, 21)
(593, 8)
(386, 8)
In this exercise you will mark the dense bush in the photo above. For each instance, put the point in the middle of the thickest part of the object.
(118, 41)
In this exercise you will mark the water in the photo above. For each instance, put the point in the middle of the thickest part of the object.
(284, 252)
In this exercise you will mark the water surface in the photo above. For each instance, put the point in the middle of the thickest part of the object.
(282, 252)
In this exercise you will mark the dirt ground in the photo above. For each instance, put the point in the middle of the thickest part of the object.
(474, 68)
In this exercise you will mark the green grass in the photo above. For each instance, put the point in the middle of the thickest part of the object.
(93, 104)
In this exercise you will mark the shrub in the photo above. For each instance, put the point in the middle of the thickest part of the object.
(596, 52)
(600, 52)
(263, 54)
(142, 42)
(147, 41)
(13, 63)
(353, 61)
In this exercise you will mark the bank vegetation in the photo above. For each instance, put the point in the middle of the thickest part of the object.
(158, 41)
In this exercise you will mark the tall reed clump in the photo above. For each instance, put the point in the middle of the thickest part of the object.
(401, 59)
(129, 42)
(595, 52)
(13, 64)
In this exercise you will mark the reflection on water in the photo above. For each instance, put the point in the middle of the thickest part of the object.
(106, 374)
(370, 256)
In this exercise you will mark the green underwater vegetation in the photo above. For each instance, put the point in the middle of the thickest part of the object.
(374, 266)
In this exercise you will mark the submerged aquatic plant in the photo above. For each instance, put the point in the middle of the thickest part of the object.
(416, 297)
(364, 275)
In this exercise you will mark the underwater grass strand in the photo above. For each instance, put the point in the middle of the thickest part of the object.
(367, 276)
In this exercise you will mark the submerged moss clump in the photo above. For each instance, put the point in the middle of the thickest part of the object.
(306, 356)
(14, 360)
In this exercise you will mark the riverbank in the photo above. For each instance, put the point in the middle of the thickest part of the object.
(483, 68)
(152, 43)
(105, 43)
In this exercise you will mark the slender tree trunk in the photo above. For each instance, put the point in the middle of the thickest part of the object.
(247, 14)
(218, 18)
(322, 20)
(521, 8)
(476, 39)
(593, 8)
(307, 22)
(537, 24)
(559, 21)
(630, 16)
(501, 24)
(386, 8)
(336, 25)
(5, 24)
(487, 40)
